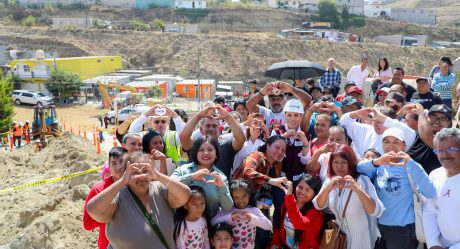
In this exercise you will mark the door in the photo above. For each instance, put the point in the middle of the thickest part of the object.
(28, 98)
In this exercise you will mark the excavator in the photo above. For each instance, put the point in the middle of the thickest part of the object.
(135, 97)
(45, 123)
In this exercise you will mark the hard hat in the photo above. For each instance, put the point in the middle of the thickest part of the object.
(21, 124)
(15, 122)
(293, 105)
(27, 121)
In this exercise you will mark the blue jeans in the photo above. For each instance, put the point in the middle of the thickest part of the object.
(397, 237)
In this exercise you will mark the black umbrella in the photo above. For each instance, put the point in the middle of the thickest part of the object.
(295, 70)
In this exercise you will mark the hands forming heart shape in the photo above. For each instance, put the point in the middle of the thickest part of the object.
(343, 182)
(213, 112)
(214, 178)
(393, 159)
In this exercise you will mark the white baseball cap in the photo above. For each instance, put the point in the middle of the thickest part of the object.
(293, 105)
(393, 132)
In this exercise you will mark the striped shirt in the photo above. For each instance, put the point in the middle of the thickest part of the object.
(443, 84)
(330, 79)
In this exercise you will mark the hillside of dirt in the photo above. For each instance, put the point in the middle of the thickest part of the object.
(220, 56)
(47, 216)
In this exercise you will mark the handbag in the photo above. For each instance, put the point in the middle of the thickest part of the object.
(149, 219)
(334, 238)
(418, 204)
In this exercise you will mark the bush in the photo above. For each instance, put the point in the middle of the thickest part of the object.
(139, 25)
(6, 104)
(357, 21)
(28, 21)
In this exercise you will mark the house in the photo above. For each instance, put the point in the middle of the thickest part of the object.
(294, 4)
(171, 81)
(355, 7)
(186, 4)
(375, 9)
(144, 86)
(105, 79)
(129, 4)
(418, 16)
(146, 4)
(39, 70)
(401, 40)
(190, 89)
(236, 87)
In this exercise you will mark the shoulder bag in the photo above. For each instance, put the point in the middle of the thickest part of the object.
(149, 219)
(418, 204)
(334, 238)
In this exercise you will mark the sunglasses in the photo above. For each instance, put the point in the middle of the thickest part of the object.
(450, 150)
(160, 121)
(435, 119)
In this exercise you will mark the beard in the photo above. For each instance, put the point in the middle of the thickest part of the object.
(277, 108)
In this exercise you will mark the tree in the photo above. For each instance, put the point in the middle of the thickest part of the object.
(6, 104)
(328, 12)
(345, 15)
(63, 84)
(28, 21)
(155, 91)
(159, 24)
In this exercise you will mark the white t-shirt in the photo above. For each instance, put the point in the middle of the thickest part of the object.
(357, 75)
(440, 214)
(272, 118)
(290, 232)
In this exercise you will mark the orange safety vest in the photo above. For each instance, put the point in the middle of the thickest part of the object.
(25, 128)
(17, 131)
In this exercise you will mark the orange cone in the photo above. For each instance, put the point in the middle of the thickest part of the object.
(114, 136)
(11, 140)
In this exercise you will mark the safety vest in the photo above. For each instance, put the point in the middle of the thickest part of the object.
(17, 131)
(172, 148)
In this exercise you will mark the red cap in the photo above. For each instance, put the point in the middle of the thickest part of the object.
(355, 89)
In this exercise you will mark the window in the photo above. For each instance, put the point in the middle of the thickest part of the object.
(27, 95)
(199, 3)
(26, 68)
(185, 88)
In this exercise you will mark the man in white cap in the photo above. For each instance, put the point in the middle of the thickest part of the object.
(440, 214)
(393, 173)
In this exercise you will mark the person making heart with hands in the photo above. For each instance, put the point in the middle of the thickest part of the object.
(202, 172)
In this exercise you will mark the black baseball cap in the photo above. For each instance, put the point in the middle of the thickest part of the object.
(396, 96)
(349, 100)
(350, 83)
(442, 109)
(422, 78)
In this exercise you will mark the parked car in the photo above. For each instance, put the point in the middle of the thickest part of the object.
(123, 114)
(31, 97)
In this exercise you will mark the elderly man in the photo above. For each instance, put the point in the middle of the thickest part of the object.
(397, 78)
(440, 214)
(439, 117)
(367, 136)
(160, 119)
(209, 126)
(331, 78)
(443, 83)
(359, 73)
(274, 117)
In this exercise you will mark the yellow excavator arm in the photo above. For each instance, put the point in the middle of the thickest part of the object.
(106, 101)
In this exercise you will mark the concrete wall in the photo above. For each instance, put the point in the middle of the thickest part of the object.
(356, 7)
(77, 22)
(419, 16)
(120, 3)
(389, 39)
(190, 4)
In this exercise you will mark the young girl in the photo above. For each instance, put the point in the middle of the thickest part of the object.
(221, 236)
(299, 223)
(243, 217)
(191, 229)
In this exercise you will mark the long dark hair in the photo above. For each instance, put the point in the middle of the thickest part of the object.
(315, 184)
(181, 213)
(196, 146)
(387, 65)
(146, 141)
(271, 140)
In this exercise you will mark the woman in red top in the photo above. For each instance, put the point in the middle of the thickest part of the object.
(299, 223)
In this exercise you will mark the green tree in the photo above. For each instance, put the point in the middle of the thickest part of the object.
(63, 84)
(345, 15)
(155, 91)
(328, 12)
(159, 24)
(6, 104)
(138, 24)
(29, 21)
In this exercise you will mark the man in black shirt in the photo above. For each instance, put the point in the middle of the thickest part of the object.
(398, 76)
(439, 117)
(424, 96)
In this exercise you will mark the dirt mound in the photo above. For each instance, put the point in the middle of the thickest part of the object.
(47, 216)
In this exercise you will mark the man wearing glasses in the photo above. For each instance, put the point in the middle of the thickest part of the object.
(440, 214)
(439, 117)
(160, 117)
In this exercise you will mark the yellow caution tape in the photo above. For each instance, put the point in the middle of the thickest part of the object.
(52, 180)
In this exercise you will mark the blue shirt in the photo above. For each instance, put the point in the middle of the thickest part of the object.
(443, 84)
(215, 196)
(330, 79)
(394, 190)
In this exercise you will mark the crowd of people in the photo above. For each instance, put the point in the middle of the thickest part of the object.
(278, 169)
